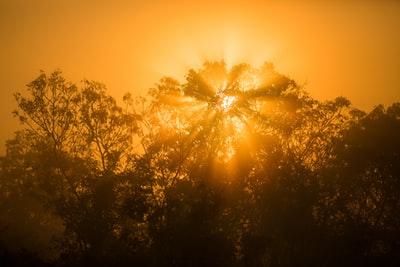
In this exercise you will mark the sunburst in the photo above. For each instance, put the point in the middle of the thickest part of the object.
(223, 108)
(233, 99)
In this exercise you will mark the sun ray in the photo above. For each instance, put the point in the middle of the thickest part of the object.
(223, 108)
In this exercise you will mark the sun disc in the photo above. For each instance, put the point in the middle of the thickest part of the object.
(225, 102)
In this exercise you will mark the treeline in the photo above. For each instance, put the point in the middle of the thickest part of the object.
(233, 167)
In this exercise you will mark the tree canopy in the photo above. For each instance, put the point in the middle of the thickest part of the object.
(234, 166)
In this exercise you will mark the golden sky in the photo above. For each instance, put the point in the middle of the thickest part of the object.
(348, 48)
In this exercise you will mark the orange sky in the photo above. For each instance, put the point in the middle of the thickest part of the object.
(350, 49)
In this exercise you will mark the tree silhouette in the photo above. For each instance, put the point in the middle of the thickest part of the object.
(361, 205)
(232, 167)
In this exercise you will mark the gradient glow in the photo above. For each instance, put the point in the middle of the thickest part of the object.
(334, 48)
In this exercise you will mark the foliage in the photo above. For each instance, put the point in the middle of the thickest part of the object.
(232, 167)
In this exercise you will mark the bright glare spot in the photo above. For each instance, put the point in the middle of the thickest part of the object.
(225, 102)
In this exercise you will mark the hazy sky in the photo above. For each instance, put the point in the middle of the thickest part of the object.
(335, 48)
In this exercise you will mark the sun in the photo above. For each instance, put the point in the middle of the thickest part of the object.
(225, 102)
